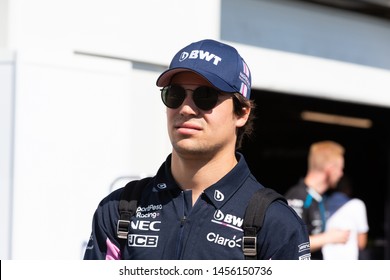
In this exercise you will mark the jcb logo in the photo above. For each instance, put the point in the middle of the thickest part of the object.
(136, 240)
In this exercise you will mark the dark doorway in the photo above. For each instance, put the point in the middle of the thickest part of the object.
(277, 153)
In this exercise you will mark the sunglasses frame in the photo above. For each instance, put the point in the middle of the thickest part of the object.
(203, 104)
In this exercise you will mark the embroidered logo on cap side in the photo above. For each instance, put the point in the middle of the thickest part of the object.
(244, 77)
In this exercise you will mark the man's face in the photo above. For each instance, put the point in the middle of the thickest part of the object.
(335, 171)
(195, 132)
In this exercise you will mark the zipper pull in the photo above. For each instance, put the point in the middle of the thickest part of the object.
(183, 220)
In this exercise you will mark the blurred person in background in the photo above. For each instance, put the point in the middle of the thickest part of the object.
(325, 169)
(349, 213)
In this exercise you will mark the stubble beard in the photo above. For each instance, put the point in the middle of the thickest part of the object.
(195, 149)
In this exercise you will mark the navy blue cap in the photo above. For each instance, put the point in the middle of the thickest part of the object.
(218, 63)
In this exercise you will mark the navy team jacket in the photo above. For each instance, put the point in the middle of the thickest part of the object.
(167, 226)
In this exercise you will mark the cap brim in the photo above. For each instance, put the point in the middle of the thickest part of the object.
(165, 79)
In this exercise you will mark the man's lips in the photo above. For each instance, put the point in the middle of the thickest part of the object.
(187, 127)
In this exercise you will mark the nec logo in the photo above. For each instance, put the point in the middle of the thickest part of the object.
(145, 225)
(200, 54)
(136, 240)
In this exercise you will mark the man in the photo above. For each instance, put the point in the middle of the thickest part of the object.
(346, 212)
(194, 207)
(325, 169)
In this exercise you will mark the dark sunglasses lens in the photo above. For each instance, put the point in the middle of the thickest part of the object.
(173, 96)
(205, 98)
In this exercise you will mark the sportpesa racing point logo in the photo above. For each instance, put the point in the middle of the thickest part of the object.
(150, 211)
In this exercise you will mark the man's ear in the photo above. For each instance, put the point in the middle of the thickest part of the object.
(241, 120)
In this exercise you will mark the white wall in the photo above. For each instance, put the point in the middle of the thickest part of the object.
(317, 77)
(148, 30)
(83, 121)
(6, 149)
(4, 13)
(308, 29)
(309, 49)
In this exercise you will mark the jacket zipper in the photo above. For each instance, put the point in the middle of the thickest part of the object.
(183, 221)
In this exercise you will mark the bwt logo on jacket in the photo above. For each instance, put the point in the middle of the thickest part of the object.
(200, 54)
(228, 220)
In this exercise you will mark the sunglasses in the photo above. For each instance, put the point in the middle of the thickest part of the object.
(204, 97)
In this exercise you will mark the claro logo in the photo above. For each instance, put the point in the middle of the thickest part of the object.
(224, 241)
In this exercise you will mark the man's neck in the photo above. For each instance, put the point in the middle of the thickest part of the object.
(316, 181)
(197, 173)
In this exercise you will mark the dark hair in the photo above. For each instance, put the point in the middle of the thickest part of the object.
(239, 103)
